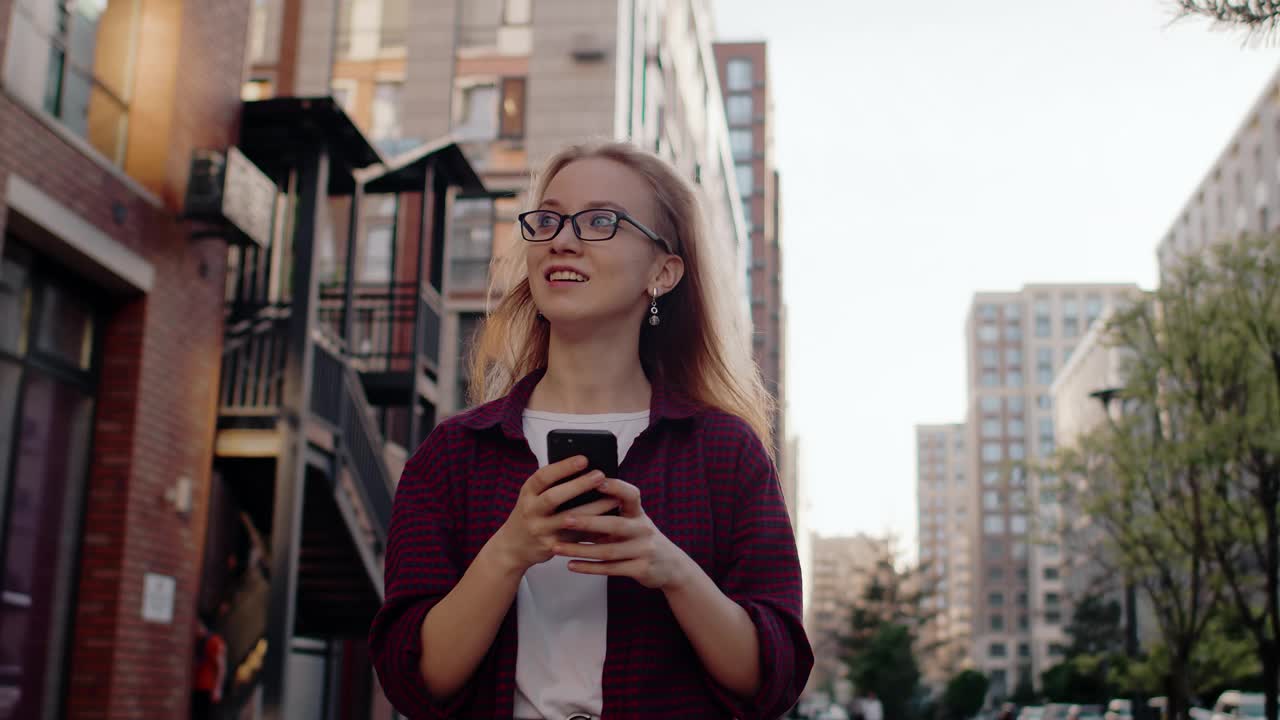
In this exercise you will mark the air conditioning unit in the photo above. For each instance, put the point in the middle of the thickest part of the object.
(226, 190)
(585, 48)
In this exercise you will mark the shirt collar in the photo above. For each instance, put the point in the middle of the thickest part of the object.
(508, 412)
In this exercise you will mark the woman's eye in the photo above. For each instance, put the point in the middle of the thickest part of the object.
(603, 220)
(547, 220)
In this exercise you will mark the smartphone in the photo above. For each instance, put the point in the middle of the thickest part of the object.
(601, 450)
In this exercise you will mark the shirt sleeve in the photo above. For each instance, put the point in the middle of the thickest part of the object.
(422, 565)
(763, 576)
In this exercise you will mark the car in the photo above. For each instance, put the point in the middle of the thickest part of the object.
(1084, 712)
(1119, 709)
(1236, 705)
(1031, 712)
(1055, 711)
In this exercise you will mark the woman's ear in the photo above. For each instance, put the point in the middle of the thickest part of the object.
(670, 272)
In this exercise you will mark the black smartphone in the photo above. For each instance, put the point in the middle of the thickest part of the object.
(601, 450)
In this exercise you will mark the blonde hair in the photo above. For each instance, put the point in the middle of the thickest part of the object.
(700, 349)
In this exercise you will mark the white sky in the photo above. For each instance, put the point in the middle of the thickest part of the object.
(935, 148)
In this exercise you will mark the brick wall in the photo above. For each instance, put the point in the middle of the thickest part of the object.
(159, 378)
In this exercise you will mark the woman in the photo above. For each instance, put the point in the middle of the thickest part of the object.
(676, 595)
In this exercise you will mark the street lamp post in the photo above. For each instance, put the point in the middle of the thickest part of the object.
(1105, 397)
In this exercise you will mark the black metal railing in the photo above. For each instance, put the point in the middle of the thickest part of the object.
(384, 318)
(338, 398)
(253, 362)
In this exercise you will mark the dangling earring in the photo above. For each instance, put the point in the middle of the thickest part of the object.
(653, 308)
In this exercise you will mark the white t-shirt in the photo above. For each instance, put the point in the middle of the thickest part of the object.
(562, 616)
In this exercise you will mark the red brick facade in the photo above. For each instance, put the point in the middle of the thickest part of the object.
(156, 404)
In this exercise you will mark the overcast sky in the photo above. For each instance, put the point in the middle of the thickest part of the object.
(936, 148)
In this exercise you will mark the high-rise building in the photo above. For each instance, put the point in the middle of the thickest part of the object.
(748, 104)
(841, 571)
(1017, 341)
(944, 495)
(513, 81)
(1240, 193)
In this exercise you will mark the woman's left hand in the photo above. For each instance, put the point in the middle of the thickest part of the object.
(628, 545)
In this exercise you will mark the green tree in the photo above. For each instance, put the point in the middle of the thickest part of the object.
(1095, 626)
(1185, 485)
(888, 668)
(882, 643)
(965, 694)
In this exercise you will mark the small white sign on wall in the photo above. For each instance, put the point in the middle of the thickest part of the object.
(157, 598)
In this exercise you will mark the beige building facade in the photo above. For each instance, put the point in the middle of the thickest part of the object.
(944, 496)
(1017, 343)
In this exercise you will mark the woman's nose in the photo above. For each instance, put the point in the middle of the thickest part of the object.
(566, 241)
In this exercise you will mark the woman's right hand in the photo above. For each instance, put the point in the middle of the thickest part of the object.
(534, 527)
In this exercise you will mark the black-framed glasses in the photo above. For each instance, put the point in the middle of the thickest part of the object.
(592, 224)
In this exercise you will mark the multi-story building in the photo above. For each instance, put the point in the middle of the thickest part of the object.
(513, 81)
(841, 571)
(110, 335)
(1241, 191)
(1017, 341)
(748, 104)
(944, 495)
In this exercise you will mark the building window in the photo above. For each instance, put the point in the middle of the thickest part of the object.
(995, 599)
(990, 477)
(987, 312)
(738, 109)
(1024, 650)
(1016, 427)
(991, 500)
(997, 623)
(990, 404)
(517, 12)
(990, 378)
(75, 60)
(992, 452)
(1013, 330)
(386, 111)
(1057, 650)
(739, 73)
(990, 358)
(1092, 309)
(1017, 451)
(745, 178)
(996, 650)
(993, 524)
(990, 428)
(1051, 573)
(470, 244)
(1024, 623)
(1070, 317)
(1013, 356)
(1053, 617)
(511, 124)
(1018, 524)
(741, 140)
(1052, 598)
(1044, 402)
(375, 265)
(1044, 326)
(1013, 379)
(1044, 365)
(477, 115)
(988, 333)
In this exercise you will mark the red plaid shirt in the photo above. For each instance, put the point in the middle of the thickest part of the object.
(708, 485)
